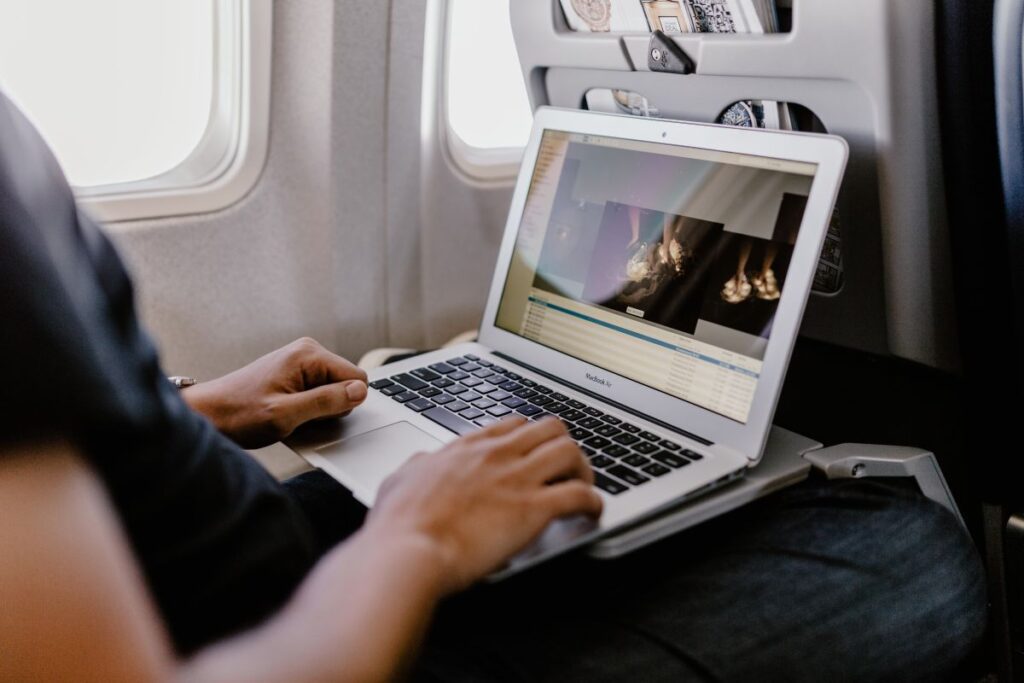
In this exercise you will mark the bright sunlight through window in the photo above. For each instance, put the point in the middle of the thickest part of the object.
(487, 103)
(121, 89)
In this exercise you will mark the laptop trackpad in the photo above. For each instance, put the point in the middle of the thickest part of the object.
(370, 457)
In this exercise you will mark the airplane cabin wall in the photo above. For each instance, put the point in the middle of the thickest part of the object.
(358, 232)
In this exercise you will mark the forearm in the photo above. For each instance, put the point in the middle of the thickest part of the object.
(358, 617)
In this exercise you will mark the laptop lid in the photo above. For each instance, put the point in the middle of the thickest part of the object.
(664, 266)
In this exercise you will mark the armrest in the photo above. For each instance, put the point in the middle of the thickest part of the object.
(855, 460)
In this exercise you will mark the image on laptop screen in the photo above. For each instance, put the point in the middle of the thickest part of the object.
(660, 263)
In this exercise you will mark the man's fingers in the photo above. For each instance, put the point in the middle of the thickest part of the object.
(571, 498)
(325, 366)
(499, 428)
(524, 440)
(558, 459)
(328, 400)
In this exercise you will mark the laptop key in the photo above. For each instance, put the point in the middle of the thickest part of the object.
(525, 393)
(693, 455)
(514, 376)
(405, 397)
(499, 396)
(510, 386)
(645, 447)
(443, 383)
(471, 382)
(485, 363)
(530, 410)
(559, 397)
(617, 451)
(631, 428)
(573, 403)
(471, 357)
(471, 414)
(499, 369)
(449, 420)
(572, 415)
(381, 384)
(656, 470)
(425, 374)
(485, 389)
(409, 382)
(636, 461)
(485, 421)
(580, 434)
(650, 437)
(513, 402)
(588, 451)
(597, 442)
(484, 403)
(420, 404)
(670, 459)
(442, 368)
(527, 382)
(499, 411)
(627, 475)
(470, 367)
(626, 439)
(609, 485)
(392, 390)
(590, 423)
(665, 443)
(541, 389)
(556, 408)
(458, 375)
(457, 406)
(456, 361)
(612, 420)
(601, 462)
(541, 400)
(608, 430)
(430, 392)
(443, 399)
(496, 379)
(593, 412)
(469, 396)
(457, 389)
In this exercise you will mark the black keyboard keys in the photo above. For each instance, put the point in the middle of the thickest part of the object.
(409, 382)
(392, 389)
(380, 384)
(650, 436)
(626, 439)
(627, 475)
(405, 397)
(449, 420)
(420, 404)
(608, 484)
(670, 459)
(424, 374)
(601, 461)
(656, 470)
(645, 447)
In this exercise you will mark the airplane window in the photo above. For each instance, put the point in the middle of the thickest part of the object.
(121, 89)
(488, 108)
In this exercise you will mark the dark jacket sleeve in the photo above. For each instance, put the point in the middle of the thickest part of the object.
(220, 542)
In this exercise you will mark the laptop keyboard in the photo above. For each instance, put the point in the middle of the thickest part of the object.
(466, 393)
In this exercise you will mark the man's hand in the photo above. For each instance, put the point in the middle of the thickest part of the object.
(485, 497)
(268, 399)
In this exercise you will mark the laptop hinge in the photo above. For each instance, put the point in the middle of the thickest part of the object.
(604, 399)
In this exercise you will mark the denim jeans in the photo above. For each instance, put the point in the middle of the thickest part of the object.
(836, 581)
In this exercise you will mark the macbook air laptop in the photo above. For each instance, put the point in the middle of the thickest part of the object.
(648, 292)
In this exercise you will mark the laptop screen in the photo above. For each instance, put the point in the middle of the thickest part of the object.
(660, 263)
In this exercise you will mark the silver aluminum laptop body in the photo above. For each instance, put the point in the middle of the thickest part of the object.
(632, 278)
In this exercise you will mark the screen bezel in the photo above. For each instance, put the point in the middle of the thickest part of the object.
(828, 152)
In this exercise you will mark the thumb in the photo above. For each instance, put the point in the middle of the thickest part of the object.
(328, 400)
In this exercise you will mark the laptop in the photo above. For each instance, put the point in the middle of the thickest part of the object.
(648, 292)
